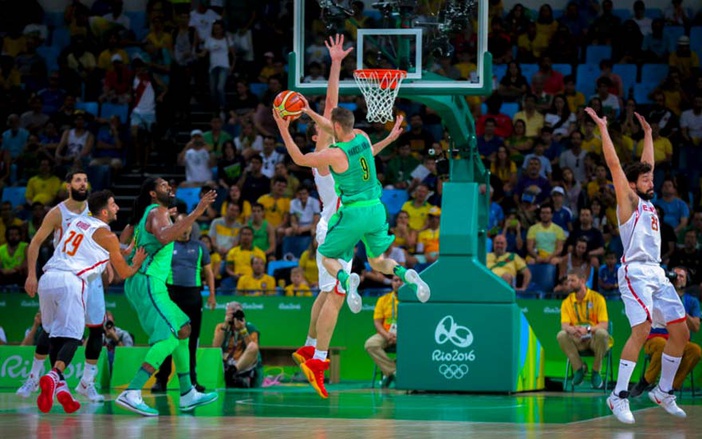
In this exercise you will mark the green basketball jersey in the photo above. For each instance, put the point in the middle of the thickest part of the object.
(158, 261)
(359, 182)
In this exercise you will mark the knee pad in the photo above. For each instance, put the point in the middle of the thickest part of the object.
(67, 350)
(93, 347)
(43, 344)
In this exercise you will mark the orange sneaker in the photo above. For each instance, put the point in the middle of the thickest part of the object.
(303, 354)
(314, 371)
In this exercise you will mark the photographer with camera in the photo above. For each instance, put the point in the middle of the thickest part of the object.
(114, 336)
(239, 341)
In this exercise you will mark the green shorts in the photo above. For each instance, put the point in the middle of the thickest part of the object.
(159, 316)
(358, 222)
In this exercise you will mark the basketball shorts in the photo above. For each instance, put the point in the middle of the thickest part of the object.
(648, 295)
(62, 306)
(357, 222)
(327, 281)
(95, 303)
(159, 316)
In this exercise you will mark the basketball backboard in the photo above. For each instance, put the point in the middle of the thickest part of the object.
(442, 44)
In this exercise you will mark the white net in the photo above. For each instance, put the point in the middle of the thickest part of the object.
(379, 88)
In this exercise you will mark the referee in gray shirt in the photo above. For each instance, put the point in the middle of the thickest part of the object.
(190, 261)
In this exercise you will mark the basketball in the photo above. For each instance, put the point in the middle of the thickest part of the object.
(289, 104)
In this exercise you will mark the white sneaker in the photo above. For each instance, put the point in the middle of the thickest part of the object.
(423, 291)
(353, 299)
(131, 400)
(30, 386)
(620, 408)
(89, 391)
(667, 401)
(194, 399)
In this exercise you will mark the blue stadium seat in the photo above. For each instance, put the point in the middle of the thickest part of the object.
(642, 92)
(258, 88)
(653, 13)
(673, 33)
(543, 278)
(15, 195)
(137, 21)
(54, 19)
(623, 14)
(393, 199)
(189, 195)
(586, 76)
(499, 70)
(60, 37)
(277, 265)
(88, 107)
(628, 74)
(595, 54)
(50, 56)
(563, 69)
(509, 109)
(528, 70)
(296, 245)
(351, 106)
(696, 40)
(653, 73)
(107, 110)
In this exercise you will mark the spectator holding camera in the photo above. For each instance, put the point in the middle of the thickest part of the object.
(114, 336)
(239, 341)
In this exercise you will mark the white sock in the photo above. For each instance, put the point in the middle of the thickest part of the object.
(626, 368)
(89, 372)
(311, 341)
(320, 355)
(669, 367)
(37, 369)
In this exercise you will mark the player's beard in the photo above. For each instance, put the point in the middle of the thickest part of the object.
(646, 196)
(165, 198)
(79, 196)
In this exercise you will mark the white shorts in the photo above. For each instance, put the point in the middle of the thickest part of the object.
(327, 281)
(648, 295)
(95, 303)
(61, 304)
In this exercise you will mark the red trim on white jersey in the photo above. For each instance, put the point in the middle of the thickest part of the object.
(636, 296)
(91, 268)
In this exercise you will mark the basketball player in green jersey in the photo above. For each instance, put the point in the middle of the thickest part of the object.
(168, 327)
(361, 217)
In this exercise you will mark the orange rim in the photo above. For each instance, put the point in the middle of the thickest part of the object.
(388, 78)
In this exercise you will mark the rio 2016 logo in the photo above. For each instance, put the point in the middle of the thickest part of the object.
(16, 367)
(453, 362)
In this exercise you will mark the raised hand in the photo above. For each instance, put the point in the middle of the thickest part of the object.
(600, 121)
(397, 129)
(206, 200)
(139, 257)
(644, 123)
(283, 124)
(336, 47)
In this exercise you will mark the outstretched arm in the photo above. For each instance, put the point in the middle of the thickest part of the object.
(323, 123)
(626, 199)
(166, 231)
(312, 160)
(394, 134)
(647, 153)
(337, 54)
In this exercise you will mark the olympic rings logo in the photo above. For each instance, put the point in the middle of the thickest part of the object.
(448, 330)
(453, 371)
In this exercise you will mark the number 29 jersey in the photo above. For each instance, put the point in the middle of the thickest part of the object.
(77, 252)
(641, 236)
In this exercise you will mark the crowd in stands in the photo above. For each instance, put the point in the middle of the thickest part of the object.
(104, 89)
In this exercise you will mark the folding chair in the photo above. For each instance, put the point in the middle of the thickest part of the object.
(607, 366)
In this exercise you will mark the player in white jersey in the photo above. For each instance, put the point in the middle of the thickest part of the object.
(648, 296)
(330, 199)
(85, 250)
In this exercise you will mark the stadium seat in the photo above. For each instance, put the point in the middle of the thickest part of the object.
(528, 70)
(543, 278)
(499, 71)
(295, 245)
(696, 40)
(258, 88)
(60, 38)
(653, 73)
(273, 266)
(393, 199)
(189, 195)
(628, 74)
(88, 107)
(653, 13)
(673, 33)
(351, 106)
(107, 110)
(50, 56)
(595, 54)
(54, 19)
(15, 195)
(563, 69)
(623, 14)
(137, 22)
(586, 77)
(642, 92)
(509, 109)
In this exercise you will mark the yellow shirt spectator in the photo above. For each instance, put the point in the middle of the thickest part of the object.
(575, 101)
(588, 312)
(662, 150)
(104, 61)
(274, 210)
(216, 264)
(429, 240)
(508, 263)
(386, 309)
(593, 145)
(43, 189)
(535, 46)
(242, 259)
(308, 263)
(15, 222)
(251, 286)
(686, 65)
(545, 238)
(302, 290)
(533, 123)
(245, 211)
(417, 215)
(593, 188)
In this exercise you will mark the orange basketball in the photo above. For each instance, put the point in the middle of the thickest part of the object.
(289, 104)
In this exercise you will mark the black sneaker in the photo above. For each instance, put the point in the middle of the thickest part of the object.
(158, 387)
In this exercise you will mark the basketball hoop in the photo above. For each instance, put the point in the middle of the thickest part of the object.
(379, 88)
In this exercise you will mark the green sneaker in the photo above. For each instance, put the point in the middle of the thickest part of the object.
(194, 399)
(596, 380)
(578, 376)
(131, 400)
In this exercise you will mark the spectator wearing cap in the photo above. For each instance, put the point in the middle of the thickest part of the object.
(118, 82)
(198, 161)
(268, 68)
(684, 59)
(428, 239)
(562, 216)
